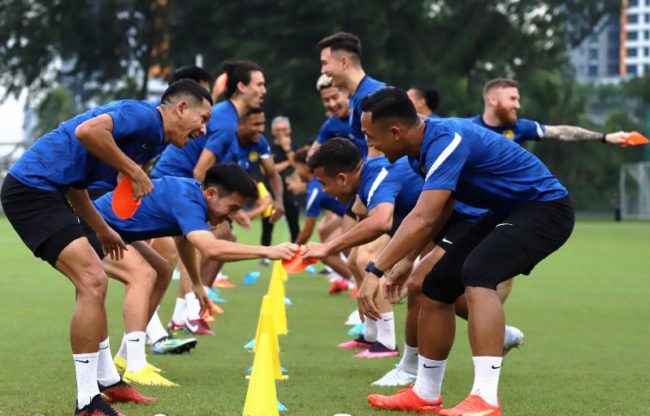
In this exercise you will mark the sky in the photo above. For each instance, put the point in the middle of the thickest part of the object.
(11, 121)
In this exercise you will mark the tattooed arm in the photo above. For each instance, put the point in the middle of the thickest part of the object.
(573, 133)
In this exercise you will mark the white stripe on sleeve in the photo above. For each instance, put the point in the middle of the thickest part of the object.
(444, 155)
(378, 180)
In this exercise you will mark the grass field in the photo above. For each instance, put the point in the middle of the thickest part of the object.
(584, 311)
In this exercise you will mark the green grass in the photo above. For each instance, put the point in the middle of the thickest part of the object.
(584, 312)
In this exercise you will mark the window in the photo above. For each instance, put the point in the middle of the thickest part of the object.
(633, 18)
(593, 71)
(646, 51)
(632, 52)
(646, 34)
(613, 54)
(612, 70)
(632, 35)
(631, 69)
(633, 3)
(593, 53)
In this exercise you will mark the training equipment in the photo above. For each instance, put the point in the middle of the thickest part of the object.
(123, 203)
(357, 329)
(377, 350)
(123, 392)
(251, 278)
(353, 318)
(297, 264)
(635, 191)
(338, 286)
(175, 326)
(169, 345)
(396, 377)
(472, 405)
(405, 400)
(635, 139)
(146, 376)
(261, 397)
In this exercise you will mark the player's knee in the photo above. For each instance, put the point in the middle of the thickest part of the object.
(414, 286)
(92, 284)
(475, 275)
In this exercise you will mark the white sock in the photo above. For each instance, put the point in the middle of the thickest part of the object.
(193, 306)
(386, 330)
(429, 381)
(180, 311)
(85, 366)
(122, 351)
(135, 351)
(486, 378)
(107, 374)
(155, 329)
(370, 329)
(409, 361)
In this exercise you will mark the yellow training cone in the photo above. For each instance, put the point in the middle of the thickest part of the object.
(267, 327)
(279, 269)
(261, 398)
(278, 309)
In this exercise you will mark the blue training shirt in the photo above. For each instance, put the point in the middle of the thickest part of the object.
(481, 168)
(249, 156)
(366, 87)
(523, 129)
(174, 207)
(340, 127)
(222, 129)
(395, 183)
(59, 160)
(317, 199)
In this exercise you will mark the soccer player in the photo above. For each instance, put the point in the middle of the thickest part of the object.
(180, 207)
(245, 89)
(316, 200)
(340, 57)
(425, 100)
(501, 98)
(337, 105)
(388, 192)
(92, 146)
(531, 217)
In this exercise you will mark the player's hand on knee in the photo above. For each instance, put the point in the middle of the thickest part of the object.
(112, 244)
(284, 251)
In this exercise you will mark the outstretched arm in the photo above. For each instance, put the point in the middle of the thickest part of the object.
(574, 134)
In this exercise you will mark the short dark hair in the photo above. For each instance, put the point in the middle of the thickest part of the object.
(238, 71)
(230, 178)
(390, 102)
(186, 86)
(499, 83)
(300, 156)
(341, 41)
(335, 156)
(254, 110)
(194, 72)
(431, 96)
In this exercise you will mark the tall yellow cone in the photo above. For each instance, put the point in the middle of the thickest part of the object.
(279, 269)
(268, 328)
(265, 309)
(261, 397)
(278, 309)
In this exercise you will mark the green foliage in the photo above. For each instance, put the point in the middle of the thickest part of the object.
(57, 106)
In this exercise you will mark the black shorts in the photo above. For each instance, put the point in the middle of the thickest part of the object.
(44, 220)
(454, 230)
(499, 247)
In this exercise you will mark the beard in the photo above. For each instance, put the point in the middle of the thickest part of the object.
(506, 117)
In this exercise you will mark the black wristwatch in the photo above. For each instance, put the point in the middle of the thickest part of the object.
(370, 267)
